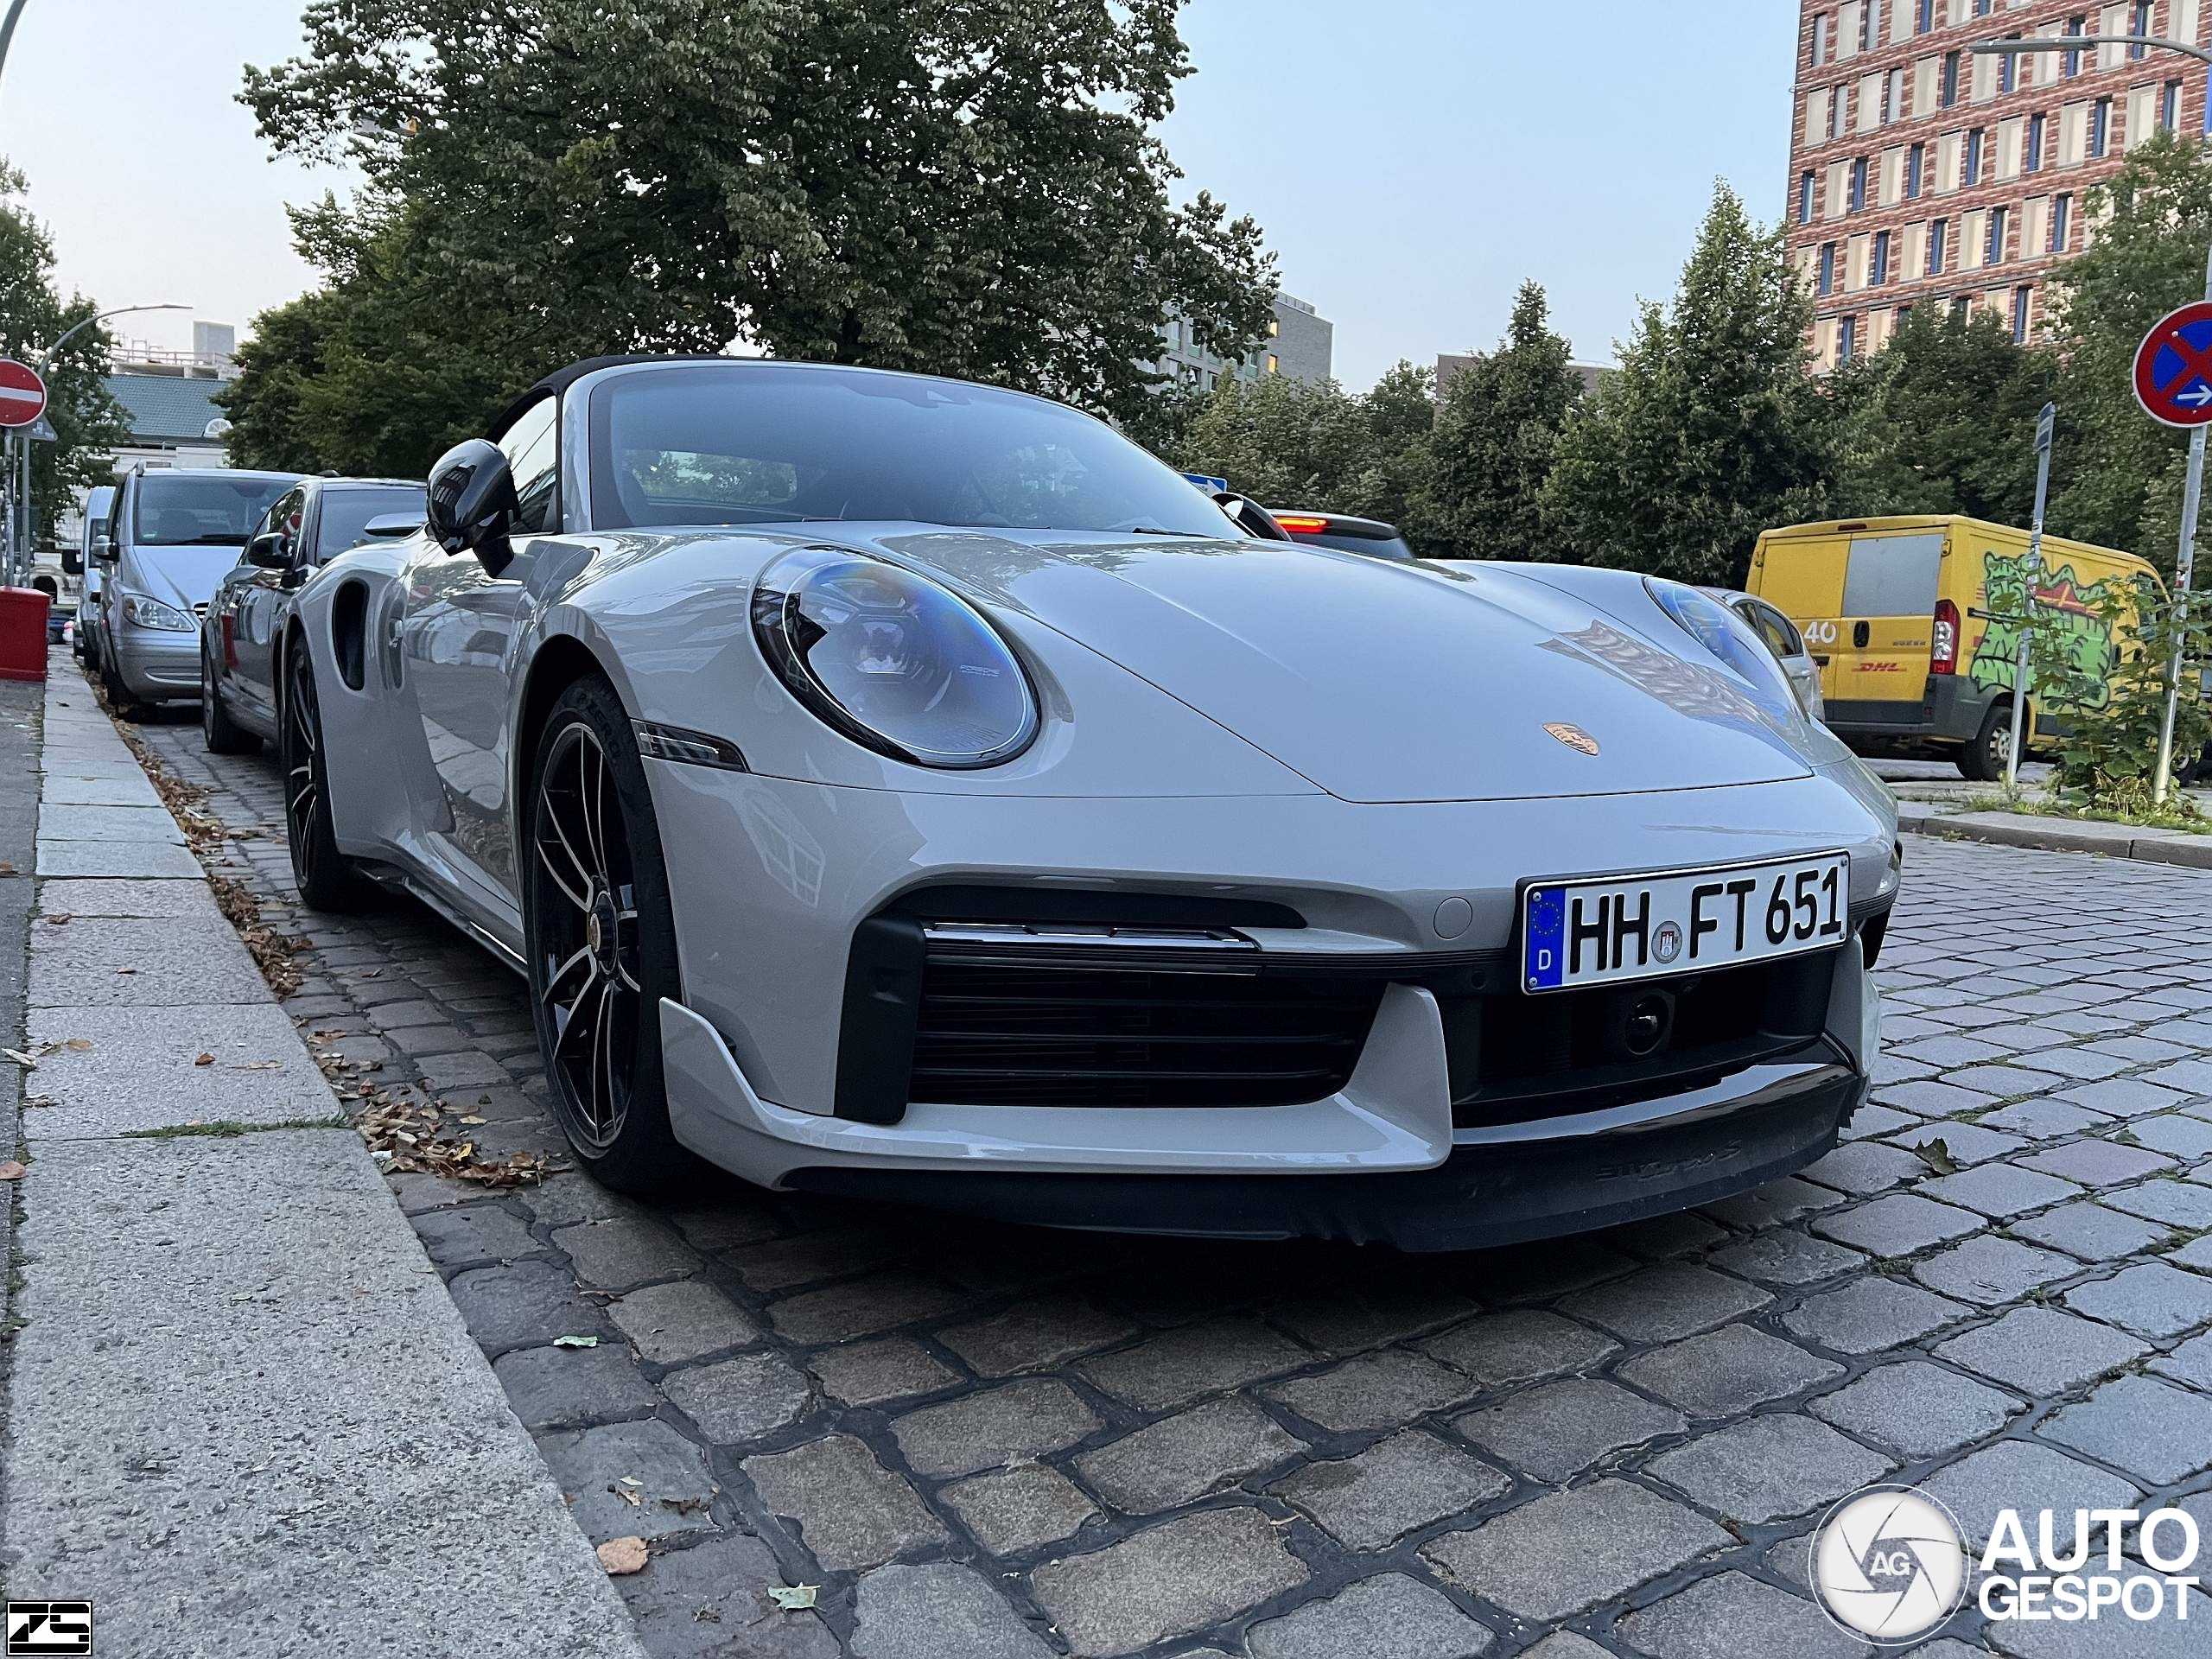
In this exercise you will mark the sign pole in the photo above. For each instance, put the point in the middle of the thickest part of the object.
(2044, 429)
(2184, 562)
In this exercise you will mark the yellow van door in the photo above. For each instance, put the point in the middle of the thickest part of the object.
(1882, 638)
(1801, 577)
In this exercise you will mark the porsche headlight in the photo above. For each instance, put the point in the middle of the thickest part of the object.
(892, 660)
(142, 613)
(1729, 637)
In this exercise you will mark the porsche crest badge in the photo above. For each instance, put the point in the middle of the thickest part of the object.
(1573, 736)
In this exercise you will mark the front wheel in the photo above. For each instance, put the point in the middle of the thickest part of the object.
(600, 937)
(222, 734)
(1982, 761)
(327, 878)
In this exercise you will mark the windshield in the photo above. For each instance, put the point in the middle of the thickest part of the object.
(770, 443)
(345, 514)
(202, 511)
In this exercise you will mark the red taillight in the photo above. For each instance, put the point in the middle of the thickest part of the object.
(1945, 638)
(1300, 525)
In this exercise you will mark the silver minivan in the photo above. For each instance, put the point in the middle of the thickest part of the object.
(172, 535)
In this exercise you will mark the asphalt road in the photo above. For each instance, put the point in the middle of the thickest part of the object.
(987, 1443)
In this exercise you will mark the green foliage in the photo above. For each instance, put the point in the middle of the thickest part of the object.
(1942, 419)
(33, 316)
(975, 190)
(1497, 435)
(2114, 704)
(1710, 430)
(1308, 444)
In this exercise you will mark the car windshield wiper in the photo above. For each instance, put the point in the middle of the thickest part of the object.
(1148, 529)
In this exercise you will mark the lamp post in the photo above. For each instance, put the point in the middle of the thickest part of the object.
(2193, 491)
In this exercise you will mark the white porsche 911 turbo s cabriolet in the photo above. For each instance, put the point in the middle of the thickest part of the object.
(897, 787)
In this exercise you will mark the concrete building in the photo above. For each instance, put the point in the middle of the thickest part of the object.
(1301, 344)
(1922, 174)
(1450, 363)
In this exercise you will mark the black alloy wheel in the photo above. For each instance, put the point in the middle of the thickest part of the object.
(222, 734)
(326, 878)
(600, 937)
(1982, 760)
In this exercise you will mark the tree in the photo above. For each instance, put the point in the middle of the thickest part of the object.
(87, 420)
(1942, 419)
(1497, 433)
(975, 190)
(1284, 442)
(1711, 430)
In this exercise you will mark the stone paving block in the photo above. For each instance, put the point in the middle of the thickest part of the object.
(1967, 1143)
(719, 1226)
(144, 860)
(1392, 1617)
(1917, 1410)
(1350, 1319)
(64, 789)
(2041, 1350)
(1552, 1558)
(2082, 1063)
(1777, 1202)
(1726, 1371)
(1864, 1168)
(1180, 1365)
(861, 1308)
(593, 1466)
(2018, 1475)
(1035, 1336)
(1897, 1225)
(1019, 1509)
(177, 964)
(1566, 1644)
(939, 1612)
(1184, 1457)
(1950, 1051)
(1395, 1486)
(2189, 1076)
(2177, 1204)
(707, 1602)
(142, 1071)
(2145, 1427)
(2090, 1231)
(2004, 1081)
(2099, 1163)
(735, 1400)
(992, 1429)
(1990, 1270)
(1871, 1121)
(2176, 1135)
(1373, 1391)
(1767, 1467)
(1928, 1097)
(1561, 1428)
(1785, 1257)
(523, 1303)
(876, 1373)
(2152, 1300)
(2044, 1120)
(851, 1512)
(788, 1263)
(622, 1251)
(2191, 1362)
(1661, 1236)
(2109, 1638)
(457, 1071)
(169, 900)
(671, 1323)
(1519, 1347)
(1730, 1615)
(2125, 1097)
(475, 1232)
(562, 1388)
(1185, 1575)
(2000, 1190)
(1660, 1303)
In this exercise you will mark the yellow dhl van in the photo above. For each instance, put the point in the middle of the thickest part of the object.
(1913, 622)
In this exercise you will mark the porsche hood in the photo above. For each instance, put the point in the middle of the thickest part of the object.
(1384, 682)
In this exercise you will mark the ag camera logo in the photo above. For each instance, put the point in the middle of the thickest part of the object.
(1889, 1565)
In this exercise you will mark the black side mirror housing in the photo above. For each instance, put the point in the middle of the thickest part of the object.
(1251, 517)
(471, 507)
(266, 551)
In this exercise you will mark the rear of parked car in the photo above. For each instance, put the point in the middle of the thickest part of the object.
(1370, 536)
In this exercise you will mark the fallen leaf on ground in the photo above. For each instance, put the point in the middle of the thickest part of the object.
(59, 919)
(11, 1171)
(6, 868)
(621, 1556)
(1936, 1156)
(575, 1342)
(26, 1061)
(79, 1043)
(205, 1059)
(792, 1597)
(261, 1065)
(126, 970)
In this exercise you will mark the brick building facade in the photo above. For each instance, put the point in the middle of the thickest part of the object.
(1922, 174)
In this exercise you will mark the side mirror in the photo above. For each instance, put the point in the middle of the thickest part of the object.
(73, 562)
(472, 502)
(1251, 517)
(386, 525)
(104, 549)
(266, 551)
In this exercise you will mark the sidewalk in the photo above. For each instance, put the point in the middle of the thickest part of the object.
(2060, 834)
(244, 1418)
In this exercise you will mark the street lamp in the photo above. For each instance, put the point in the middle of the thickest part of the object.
(2192, 492)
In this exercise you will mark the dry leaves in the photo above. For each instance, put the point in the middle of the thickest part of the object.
(205, 1059)
(29, 1062)
(272, 952)
(621, 1556)
(12, 1171)
(60, 918)
(413, 1134)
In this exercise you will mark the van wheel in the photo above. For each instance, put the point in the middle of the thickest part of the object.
(1982, 761)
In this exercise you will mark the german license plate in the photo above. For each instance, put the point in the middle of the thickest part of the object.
(1605, 930)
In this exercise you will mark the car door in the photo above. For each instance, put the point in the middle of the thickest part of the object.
(250, 599)
(1788, 645)
(458, 637)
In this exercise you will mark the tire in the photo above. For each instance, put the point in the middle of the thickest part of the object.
(326, 878)
(222, 734)
(1982, 761)
(120, 703)
(599, 935)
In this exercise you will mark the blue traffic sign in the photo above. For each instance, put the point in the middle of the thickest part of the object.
(2173, 368)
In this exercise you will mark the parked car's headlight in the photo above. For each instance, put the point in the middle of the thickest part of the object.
(892, 660)
(143, 613)
(1729, 637)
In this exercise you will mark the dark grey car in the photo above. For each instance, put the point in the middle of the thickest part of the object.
(304, 528)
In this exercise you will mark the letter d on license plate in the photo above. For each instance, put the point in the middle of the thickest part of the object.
(1609, 929)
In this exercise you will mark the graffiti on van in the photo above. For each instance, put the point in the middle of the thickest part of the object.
(2079, 613)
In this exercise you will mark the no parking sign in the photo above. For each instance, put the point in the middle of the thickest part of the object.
(2173, 368)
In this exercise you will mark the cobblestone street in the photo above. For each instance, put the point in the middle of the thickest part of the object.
(984, 1442)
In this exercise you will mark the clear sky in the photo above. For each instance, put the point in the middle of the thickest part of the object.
(1411, 161)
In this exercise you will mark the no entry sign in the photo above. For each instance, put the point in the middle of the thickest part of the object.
(22, 394)
(2173, 368)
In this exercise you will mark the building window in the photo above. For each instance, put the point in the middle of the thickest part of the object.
(1804, 198)
(1948, 93)
(1916, 171)
(2071, 62)
(1923, 18)
(2100, 126)
(2034, 160)
(1857, 199)
(1937, 229)
(2021, 296)
(1970, 168)
(1893, 97)
(2138, 22)
(2061, 211)
(1273, 367)
(1983, 7)
(1818, 53)
(1996, 249)
(1838, 103)
(2169, 106)
(1827, 268)
(1879, 273)
(2008, 70)
(1869, 25)
(1846, 338)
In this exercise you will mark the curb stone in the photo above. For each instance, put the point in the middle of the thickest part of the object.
(2063, 836)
